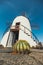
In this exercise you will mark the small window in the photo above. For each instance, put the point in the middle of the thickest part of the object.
(18, 23)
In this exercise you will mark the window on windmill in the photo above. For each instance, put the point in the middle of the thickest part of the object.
(17, 24)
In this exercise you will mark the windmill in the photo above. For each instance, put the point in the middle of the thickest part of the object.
(19, 18)
(8, 25)
(33, 26)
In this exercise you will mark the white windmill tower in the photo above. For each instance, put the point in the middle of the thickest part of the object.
(19, 30)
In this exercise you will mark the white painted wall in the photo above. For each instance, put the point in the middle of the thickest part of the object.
(24, 21)
(10, 40)
(23, 36)
(4, 39)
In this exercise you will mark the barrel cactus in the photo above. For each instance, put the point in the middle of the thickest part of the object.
(21, 46)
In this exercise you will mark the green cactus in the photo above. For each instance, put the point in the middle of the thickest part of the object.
(21, 46)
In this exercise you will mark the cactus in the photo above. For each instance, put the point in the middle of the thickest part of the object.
(21, 46)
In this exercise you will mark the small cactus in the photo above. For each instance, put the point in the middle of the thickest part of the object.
(21, 46)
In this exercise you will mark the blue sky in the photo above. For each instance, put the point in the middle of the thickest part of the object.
(9, 9)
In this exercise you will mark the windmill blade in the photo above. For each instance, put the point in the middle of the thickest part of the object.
(8, 25)
(23, 13)
(35, 26)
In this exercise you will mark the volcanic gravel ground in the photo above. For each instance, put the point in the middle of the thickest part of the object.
(21, 59)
